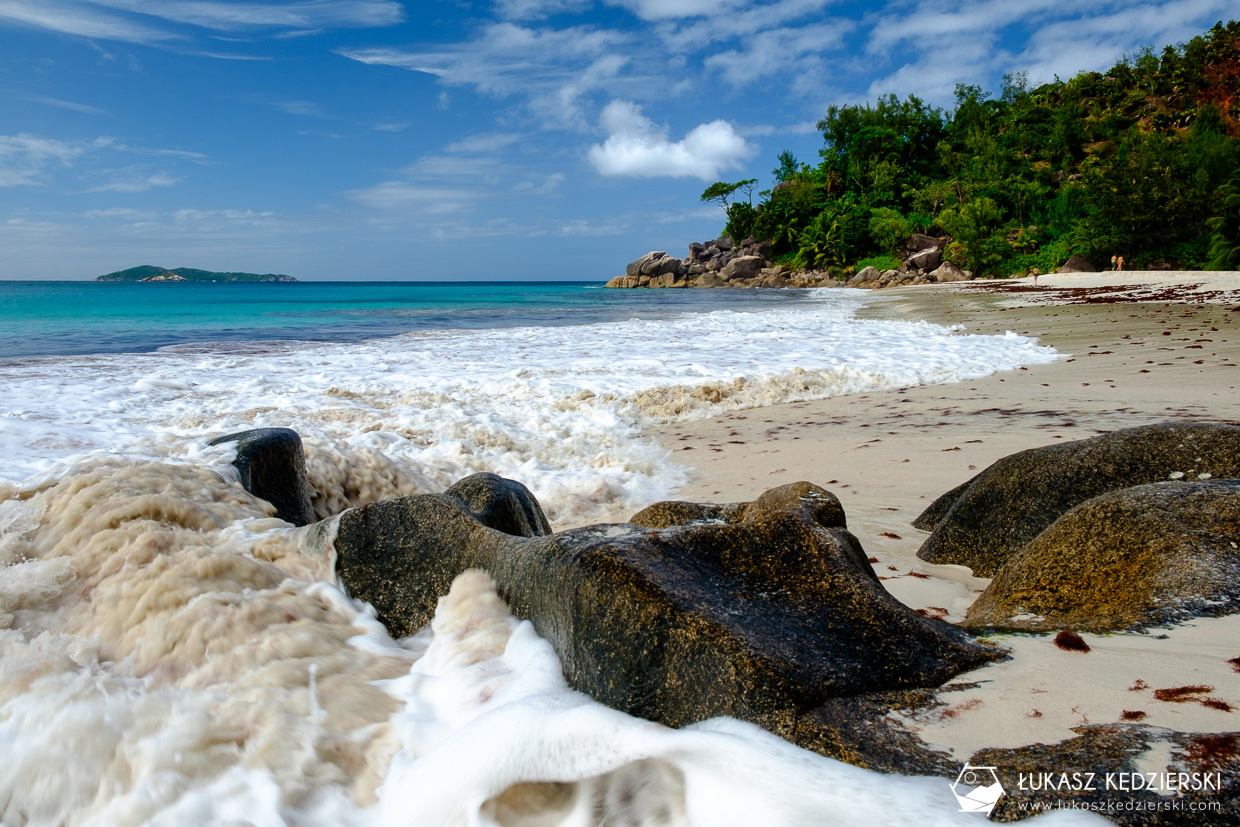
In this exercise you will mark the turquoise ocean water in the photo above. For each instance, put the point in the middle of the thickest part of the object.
(42, 318)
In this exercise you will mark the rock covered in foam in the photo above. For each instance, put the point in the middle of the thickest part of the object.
(272, 465)
(1146, 555)
(984, 522)
(763, 611)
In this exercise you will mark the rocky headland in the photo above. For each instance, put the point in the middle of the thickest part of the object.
(723, 263)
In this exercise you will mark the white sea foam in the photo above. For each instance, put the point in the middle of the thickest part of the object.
(172, 654)
(558, 408)
(189, 662)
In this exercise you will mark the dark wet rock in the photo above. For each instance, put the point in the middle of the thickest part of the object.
(272, 466)
(1147, 555)
(765, 618)
(502, 504)
(861, 731)
(1115, 751)
(817, 504)
(1004, 507)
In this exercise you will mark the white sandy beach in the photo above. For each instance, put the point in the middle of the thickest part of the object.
(1148, 347)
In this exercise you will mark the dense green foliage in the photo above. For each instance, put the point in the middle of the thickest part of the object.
(147, 271)
(1133, 162)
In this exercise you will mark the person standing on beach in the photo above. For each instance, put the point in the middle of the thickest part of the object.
(1112, 262)
(1119, 262)
(1035, 276)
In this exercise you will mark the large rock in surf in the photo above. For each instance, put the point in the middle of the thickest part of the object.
(761, 611)
(1141, 556)
(272, 466)
(502, 504)
(983, 522)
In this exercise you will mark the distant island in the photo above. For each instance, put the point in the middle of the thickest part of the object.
(149, 272)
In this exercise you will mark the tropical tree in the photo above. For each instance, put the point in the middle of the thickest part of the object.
(1225, 229)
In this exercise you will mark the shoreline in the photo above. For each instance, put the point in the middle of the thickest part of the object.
(1132, 355)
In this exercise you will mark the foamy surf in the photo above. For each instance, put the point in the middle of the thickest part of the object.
(176, 656)
(172, 654)
(559, 408)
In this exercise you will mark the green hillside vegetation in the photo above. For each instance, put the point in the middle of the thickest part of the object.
(149, 271)
(1139, 161)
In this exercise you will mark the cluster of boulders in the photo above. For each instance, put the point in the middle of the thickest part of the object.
(720, 263)
(770, 611)
(717, 263)
(1135, 528)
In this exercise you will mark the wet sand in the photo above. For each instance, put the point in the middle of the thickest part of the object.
(1137, 348)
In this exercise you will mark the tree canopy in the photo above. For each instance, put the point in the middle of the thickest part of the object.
(1134, 161)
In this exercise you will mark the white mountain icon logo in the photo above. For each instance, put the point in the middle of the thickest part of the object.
(977, 789)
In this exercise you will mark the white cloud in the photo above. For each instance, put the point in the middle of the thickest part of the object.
(636, 147)
(506, 58)
(73, 18)
(30, 160)
(535, 9)
(673, 9)
(409, 196)
(85, 18)
(454, 167)
(553, 69)
(185, 155)
(792, 51)
(70, 105)
(299, 108)
(25, 159)
(484, 142)
(139, 184)
(1052, 39)
(121, 212)
(305, 15)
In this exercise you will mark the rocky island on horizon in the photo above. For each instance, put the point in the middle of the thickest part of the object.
(149, 272)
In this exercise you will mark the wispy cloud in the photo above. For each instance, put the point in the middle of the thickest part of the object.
(26, 159)
(636, 147)
(137, 184)
(32, 160)
(185, 155)
(300, 108)
(408, 196)
(131, 20)
(677, 9)
(1042, 37)
(795, 52)
(313, 14)
(484, 142)
(70, 105)
(551, 68)
(504, 59)
(78, 19)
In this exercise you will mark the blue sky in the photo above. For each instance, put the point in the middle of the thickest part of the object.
(514, 139)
